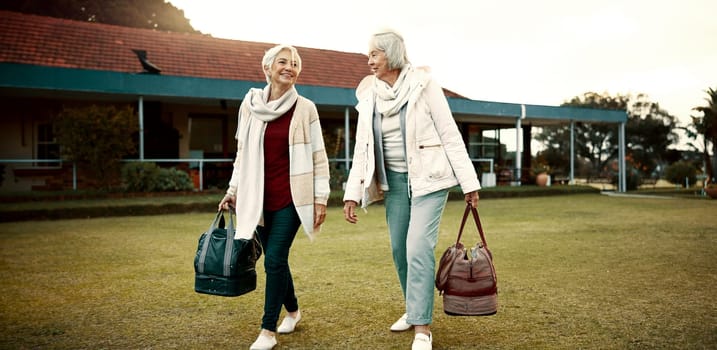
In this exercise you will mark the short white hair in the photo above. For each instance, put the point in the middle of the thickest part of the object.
(271, 54)
(391, 43)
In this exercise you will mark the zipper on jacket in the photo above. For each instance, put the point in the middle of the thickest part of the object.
(428, 146)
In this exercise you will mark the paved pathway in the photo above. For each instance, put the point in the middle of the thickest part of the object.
(632, 195)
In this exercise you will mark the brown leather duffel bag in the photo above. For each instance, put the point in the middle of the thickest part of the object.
(466, 277)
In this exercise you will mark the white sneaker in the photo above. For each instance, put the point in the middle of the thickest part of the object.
(289, 323)
(422, 342)
(401, 325)
(263, 342)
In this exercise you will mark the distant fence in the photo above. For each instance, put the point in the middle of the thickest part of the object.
(489, 178)
(190, 161)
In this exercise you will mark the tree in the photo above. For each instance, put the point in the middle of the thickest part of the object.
(677, 172)
(649, 132)
(594, 142)
(706, 126)
(96, 137)
(148, 14)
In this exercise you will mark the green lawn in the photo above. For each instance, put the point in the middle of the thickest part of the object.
(581, 271)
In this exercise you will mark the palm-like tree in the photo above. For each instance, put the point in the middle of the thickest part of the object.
(706, 125)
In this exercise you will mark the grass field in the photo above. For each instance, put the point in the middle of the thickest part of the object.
(575, 272)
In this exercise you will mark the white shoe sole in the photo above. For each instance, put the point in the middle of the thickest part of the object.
(288, 325)
(401, 325)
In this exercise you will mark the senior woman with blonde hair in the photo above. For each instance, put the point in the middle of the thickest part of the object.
(280, 181)
(409, 153)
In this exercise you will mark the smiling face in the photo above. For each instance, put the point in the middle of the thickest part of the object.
(284, 71)
(378, 62)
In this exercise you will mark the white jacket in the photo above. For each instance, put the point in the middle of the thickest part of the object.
(435, 153)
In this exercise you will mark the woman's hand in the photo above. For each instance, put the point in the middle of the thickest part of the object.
(227, 201)
(350, 211)
(319, 215)
(472, 199)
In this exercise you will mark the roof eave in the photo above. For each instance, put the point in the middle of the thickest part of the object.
(33, 77)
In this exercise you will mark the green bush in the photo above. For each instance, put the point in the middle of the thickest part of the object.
(633, 179)
(96, 137)
(173, 179)
(139, 176)
(337, 177)
(148, 177)
(677, 172)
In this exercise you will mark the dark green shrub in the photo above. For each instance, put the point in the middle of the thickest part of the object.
(96, 137)
(337, 177)
(172, 179)
(140, 176)
(148, 177)
(677, 172)
(633, 179)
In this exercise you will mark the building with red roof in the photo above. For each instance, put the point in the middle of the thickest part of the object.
(187, 92)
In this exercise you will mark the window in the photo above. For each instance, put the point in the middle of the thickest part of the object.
(47, 147)
(483, 143)
(206, 135)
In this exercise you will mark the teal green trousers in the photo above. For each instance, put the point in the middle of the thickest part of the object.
(413, 227)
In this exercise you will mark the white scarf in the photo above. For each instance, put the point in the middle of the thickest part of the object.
(250, 196)
(269, 110)
(390, 99)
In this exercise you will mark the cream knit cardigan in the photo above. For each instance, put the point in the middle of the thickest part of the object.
(308, 167)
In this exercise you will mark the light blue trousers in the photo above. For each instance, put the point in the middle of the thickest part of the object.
(413, 228)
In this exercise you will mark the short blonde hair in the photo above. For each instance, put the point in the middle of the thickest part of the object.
(391, 43)
(270, 56)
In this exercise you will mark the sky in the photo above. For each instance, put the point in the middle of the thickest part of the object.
(520, 51)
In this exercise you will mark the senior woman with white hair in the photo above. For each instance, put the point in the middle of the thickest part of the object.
(280, 181)
(408, 152)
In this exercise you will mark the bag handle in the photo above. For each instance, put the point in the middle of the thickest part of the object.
(471, 209)
(229, 244)
(205, 246)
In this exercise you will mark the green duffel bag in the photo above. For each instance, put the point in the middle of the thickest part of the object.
(223, 265)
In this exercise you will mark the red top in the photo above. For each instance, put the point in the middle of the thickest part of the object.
(277, 191)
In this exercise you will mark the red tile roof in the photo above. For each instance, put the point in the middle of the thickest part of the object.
(54, 42)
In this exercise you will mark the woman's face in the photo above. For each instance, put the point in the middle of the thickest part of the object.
(284, 71)
(378, 62)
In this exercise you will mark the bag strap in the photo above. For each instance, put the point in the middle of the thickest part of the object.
(205, 245)
(229, 244)
(471, 209)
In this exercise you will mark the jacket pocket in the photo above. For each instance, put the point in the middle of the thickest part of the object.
(434, 160)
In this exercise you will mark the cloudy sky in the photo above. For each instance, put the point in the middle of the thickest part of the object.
(520, 51)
